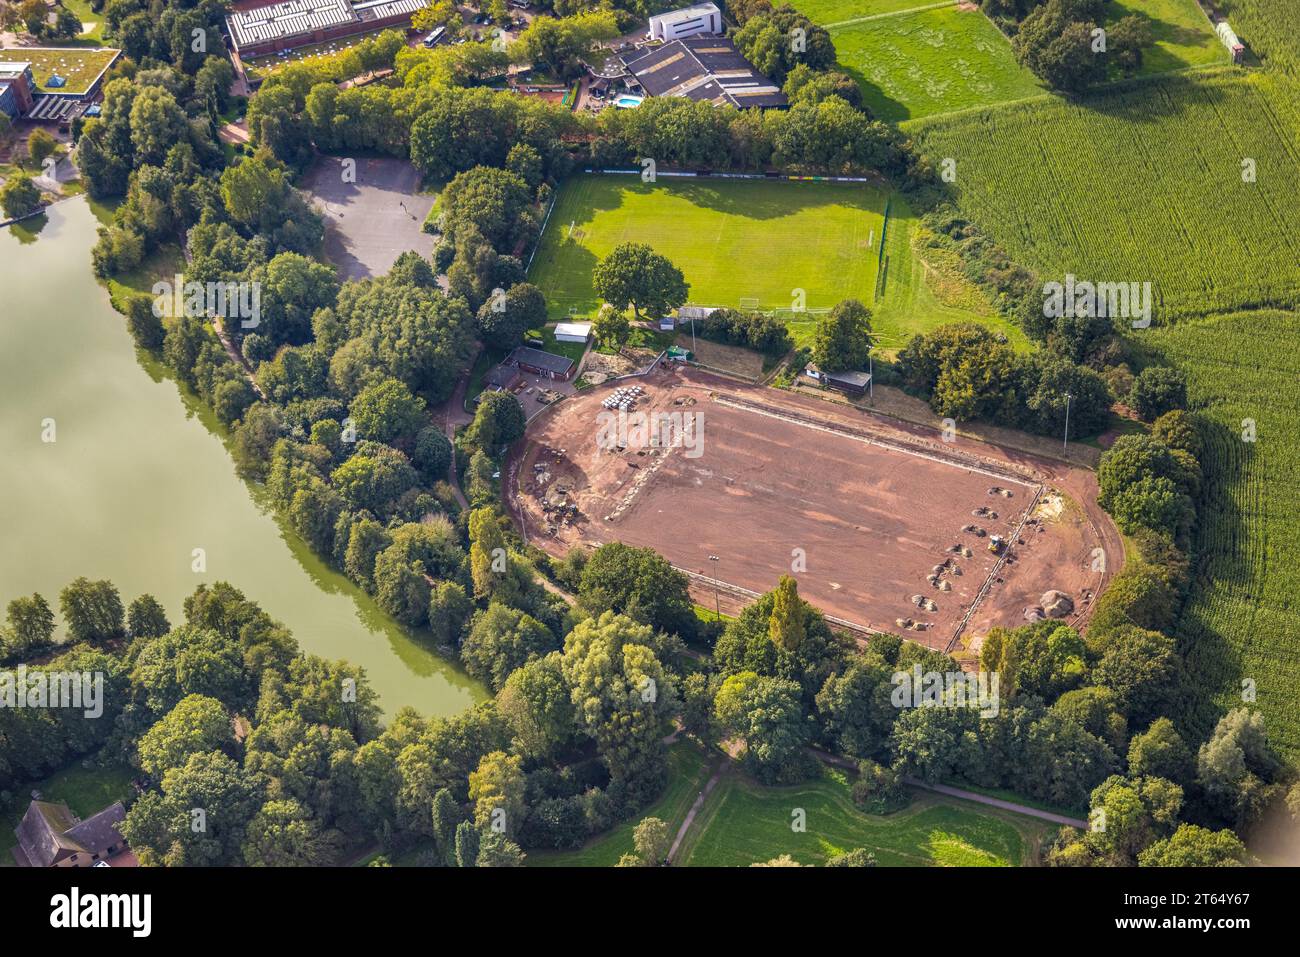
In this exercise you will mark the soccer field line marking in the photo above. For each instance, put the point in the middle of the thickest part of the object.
(879, 443)
(891, 13)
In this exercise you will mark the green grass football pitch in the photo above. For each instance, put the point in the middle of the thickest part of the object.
(737, 241)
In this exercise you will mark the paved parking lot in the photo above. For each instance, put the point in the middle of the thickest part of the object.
(370, 222)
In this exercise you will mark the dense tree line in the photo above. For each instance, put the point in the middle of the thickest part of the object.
(1068, 43)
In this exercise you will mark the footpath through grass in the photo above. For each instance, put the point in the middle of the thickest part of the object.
(688, 771)
(743, 823)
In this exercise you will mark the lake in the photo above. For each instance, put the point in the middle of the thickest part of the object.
(138, 477)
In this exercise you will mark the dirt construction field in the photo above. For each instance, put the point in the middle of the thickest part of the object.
(885, 526)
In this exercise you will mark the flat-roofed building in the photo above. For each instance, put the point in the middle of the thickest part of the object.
(686, 22)
(16, 86)
(293, 23)
(702, 68)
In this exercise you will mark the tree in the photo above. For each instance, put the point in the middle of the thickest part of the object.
(91, 610)
(40, 144)
(146, 618)
(467, 844)
(639, 583)
(497, 790)
(293, 287)
(432, 455)
(210, 788)
(146, 327)
(843, 338)
(1160, 752)
(503, 320)
(622, 695)
(785, 627)
(767, 714)
(498, 421)
(30, 625)
(1143, 671)
(1056, 42)
(501, 640)
(635, 275)
(497, 850)
(536, 703)
(611, 326)
(284, 834)
(494, 201)
(1157, 390)
(1194, 846)
(251, 187)
(388, 412)
(1238, 768)
(198, 723)
(858, 857)
(449, 608)
(855, 709)
(765, 41)
(652, 839)
(1129, 815)
(19, 196)
(563, 44)
(157, 123)
(373, 477)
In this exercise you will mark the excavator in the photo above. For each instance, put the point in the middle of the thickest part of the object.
(997, 544)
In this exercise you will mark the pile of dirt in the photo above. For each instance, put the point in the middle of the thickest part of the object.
(1056, 604)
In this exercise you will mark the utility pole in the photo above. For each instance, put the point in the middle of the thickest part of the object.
(1066, 443)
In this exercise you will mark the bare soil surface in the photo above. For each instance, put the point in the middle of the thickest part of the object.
(884, 525)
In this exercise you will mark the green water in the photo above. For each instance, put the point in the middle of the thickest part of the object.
(138, 477)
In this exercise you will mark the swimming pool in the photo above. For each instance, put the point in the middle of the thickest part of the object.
(627, 101)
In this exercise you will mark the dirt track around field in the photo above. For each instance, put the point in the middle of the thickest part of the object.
(879, 522)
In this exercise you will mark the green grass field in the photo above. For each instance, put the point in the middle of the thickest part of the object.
(828, 12)
(1183, 35)
(1158, 194)
(743, 823)
(78, 66)
(1243, 618)
(86, 791)
(87, 16)
(931, 62)
(760, 240)
(733, 239)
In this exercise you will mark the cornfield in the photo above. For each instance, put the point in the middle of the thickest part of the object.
(1269, 29)
(1186, 181)
(1242, 621)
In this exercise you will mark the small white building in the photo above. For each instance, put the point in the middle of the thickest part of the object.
(572, 331)
(687, 22)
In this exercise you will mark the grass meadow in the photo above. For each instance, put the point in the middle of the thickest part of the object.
(930, 62)
(743, 823)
